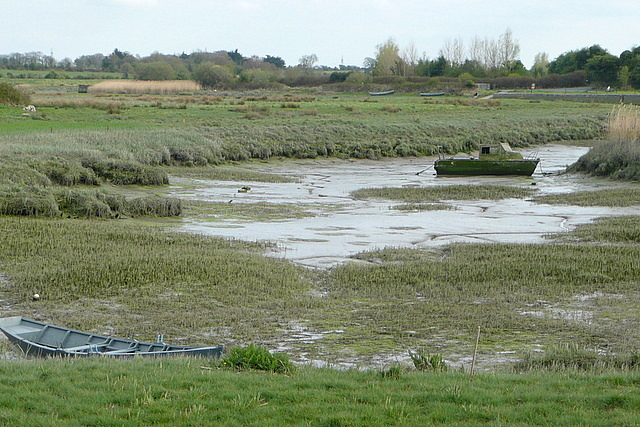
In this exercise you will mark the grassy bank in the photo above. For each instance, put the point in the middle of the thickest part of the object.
(143, 392)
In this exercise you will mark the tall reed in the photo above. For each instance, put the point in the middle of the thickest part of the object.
(624, 123)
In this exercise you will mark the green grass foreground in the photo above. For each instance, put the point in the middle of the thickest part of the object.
(181, 392)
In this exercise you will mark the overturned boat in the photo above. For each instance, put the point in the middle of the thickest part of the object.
(494, 159)
(40, 339)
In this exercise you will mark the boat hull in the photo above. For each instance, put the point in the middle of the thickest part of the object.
(470, 167)
(39, 339)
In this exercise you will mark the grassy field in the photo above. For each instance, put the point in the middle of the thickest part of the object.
(181, 392)
(87, 226)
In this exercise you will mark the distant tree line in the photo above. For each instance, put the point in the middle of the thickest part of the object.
(496, 60)
(482, 60)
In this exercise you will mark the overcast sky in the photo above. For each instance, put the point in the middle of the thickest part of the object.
(336, 31)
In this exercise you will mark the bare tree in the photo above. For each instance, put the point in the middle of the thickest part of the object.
(477, 50)
(509, 49)
(491, 54)
(308, 61)
(453, 51)
(410, 58)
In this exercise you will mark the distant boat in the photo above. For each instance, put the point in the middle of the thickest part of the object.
(432, 93)
(495, 159)
(43, 340)
(389, 92)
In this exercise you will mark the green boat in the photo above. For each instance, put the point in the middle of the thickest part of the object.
(495, 159)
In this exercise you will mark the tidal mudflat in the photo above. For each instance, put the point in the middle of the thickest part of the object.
(342, 226)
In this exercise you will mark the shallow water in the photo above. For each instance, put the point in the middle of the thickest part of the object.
(345, 226)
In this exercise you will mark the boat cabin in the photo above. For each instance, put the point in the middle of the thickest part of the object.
(499, 150)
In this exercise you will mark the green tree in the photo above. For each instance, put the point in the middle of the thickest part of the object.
(540, 65)
(210, 75)
(155, 71)
(275, 60)
(602, 69)
(236, 57)
(624, 77)
(388, 59)
(116, 60)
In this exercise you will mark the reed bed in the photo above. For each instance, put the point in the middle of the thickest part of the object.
(624, 123)
(144, 87)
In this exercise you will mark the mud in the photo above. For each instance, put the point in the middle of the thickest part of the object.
(344, 226)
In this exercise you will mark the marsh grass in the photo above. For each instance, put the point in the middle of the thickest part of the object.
(106, 276)
(445, 192)
(618, 230)
(572, 356)
(262, 212)
(423, 207)
(238, 173)
(613, 197)
(94, 274)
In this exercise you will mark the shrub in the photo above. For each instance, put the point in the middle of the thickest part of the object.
(122, 172)
(154, 206)
(12, 96)
(257, 358)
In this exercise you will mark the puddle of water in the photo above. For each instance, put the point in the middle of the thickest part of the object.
(352, 226)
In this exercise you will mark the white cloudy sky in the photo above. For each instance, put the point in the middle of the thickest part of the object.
(337, 31)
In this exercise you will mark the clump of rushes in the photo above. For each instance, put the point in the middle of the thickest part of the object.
(123, 172)
(25, 201)
(257, 358)
(67, 172)
(154, 206)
